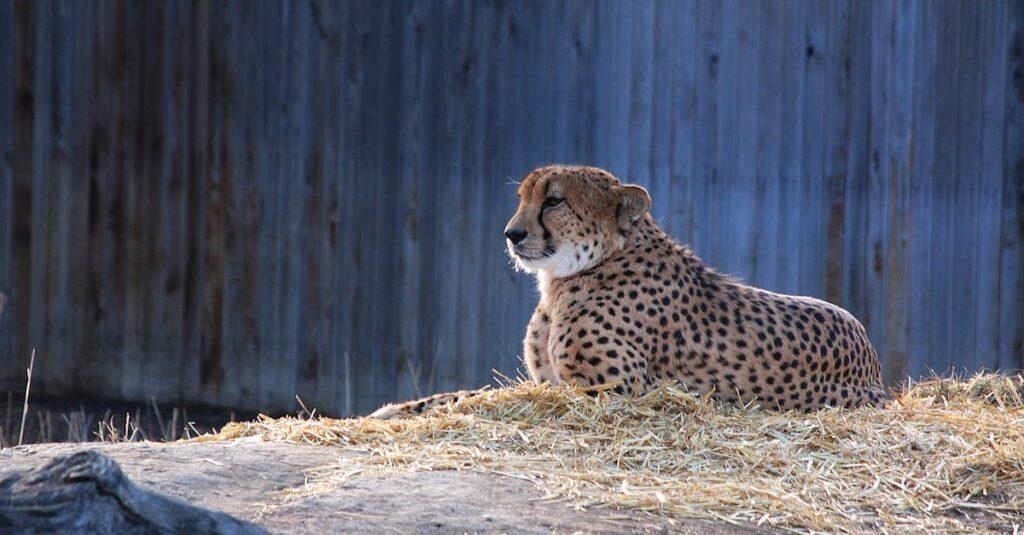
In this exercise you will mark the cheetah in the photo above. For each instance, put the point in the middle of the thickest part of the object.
(622, 302)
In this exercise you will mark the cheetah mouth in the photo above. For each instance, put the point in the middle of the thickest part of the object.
(529, 258)
(522, 253)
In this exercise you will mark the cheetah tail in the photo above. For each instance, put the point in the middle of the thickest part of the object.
(419, 406)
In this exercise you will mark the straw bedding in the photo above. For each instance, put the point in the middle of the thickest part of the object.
(945, 455)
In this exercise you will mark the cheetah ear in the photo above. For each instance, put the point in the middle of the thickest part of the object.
(633, 204)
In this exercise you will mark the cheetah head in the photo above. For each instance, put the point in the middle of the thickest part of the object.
(570, 218)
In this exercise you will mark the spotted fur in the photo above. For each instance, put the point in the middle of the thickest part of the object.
(622, 302)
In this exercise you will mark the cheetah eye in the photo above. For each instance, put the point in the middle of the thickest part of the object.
(551, 202)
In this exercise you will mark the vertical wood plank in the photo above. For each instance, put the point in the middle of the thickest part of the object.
(81, 366)
(681, 37)
(7, 56)
(993, 53)
(900, 158)
(390, 123)
(810, 229)
(197, 171)
(410, 183)
(662, 91)
(707, 62)
(1011, 263)
(476, 237)
(726, 188)
(49, 150)
(174, 236)
(790, 209)
(131, 144)
(613, 86)
(22, 233)
(876, 228)
(104, 269)
(770, 125)
(60, 172)
(966, 187)
(513, 97)
(238, 71)
(323, 173)
(368, 244)
(420, 198)
(349, 97)
(942, 218)
(217, 194)
(746, 127)
(836, 141)
(156, 130)
(855, 265)
(448, 367)
(639, 129)
(277, 380)
(926, 44)
(302, 208)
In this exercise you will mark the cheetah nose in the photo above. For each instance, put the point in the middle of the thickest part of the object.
(515, 235)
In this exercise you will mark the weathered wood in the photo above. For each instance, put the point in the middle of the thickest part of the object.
(965, 192)
(874, 251)
(897, 169)
(791, 210)
(238, 203)
(1011, 268)
(855, 263)
(6, 178)
(809, 244)
(943, 217)
(994, 55)
(23, 110)
(770, 97)
(196, 170)
(838, 122)
(922, 181)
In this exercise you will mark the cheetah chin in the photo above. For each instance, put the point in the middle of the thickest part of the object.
(557, 262)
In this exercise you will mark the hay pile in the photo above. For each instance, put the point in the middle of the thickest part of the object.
(947, 455)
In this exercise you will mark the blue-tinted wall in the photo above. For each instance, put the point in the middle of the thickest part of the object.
(237, 202)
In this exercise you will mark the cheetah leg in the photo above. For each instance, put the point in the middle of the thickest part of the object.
(590, 360)
(419, 406)
(874, 396)
(535, 349)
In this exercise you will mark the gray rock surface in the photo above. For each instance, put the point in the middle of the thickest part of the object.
(244, 478)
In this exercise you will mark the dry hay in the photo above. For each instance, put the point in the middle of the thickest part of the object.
(946, 455)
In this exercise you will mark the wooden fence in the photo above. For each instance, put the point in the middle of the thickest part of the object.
(236, 202)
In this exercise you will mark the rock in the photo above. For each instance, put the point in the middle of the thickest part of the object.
(86, 492)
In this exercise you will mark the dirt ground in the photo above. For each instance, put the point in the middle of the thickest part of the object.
(245, 478)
